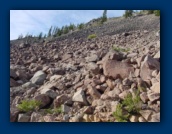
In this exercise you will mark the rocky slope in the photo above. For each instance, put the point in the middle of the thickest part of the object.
(85, 80)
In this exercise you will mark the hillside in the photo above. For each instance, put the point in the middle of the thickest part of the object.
(113, 77)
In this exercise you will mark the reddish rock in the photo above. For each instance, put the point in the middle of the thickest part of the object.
(115, 69)
(148, 66)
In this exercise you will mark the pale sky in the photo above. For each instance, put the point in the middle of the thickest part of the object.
(36, 21)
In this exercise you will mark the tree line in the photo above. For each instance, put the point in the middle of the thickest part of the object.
(55, 31)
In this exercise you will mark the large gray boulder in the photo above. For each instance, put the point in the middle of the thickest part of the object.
(38, 78)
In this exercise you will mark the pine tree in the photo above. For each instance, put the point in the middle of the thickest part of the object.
(128, 13)
(20, 36)
(80, 26)
(104, 17)
(49, 32)
(40, 36)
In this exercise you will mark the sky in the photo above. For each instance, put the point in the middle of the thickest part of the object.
(36, 21)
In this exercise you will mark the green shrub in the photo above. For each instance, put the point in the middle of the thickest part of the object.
(119, 114)
(28, 105)
(54, 111)
(132, 103)
(118, 49)
(91, 36)
(157, 12)
(150, 11)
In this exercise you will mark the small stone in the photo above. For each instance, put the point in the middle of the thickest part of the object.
(36, 117)
(146, 114)
(49, 92)
(126, 82)
(55, 77)
(134, 118)
(124, 94)
(144, 97)
(153, 96)
(156, 87)
(23, 118)
(79, 96)
(155, 117)
(93, 92)
(66, 118)
(60, 100)
(110, 83)
(102, 78)
(88, 110)
(141, 119)
(65, 109)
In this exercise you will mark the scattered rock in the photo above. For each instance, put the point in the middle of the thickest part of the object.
(156, 87)
(38, 78)
(23, 118)
(146, 114)
(44, 99)
(79, 96)
(60, 100)
(148, 66)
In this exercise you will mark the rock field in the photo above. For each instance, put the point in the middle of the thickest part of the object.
(86, 79)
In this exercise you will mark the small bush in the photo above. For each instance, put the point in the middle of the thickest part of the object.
(132, 103)
(157, 12)
(118, 49)
(28, 105)
(150, 11)
(119, 114)
(54, 111)
(91, 36)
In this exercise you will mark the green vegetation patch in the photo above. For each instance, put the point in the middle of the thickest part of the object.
(119, 114)
(54, 111)
(28, 105)
(91, 36)
(131, 105)
(118, 49)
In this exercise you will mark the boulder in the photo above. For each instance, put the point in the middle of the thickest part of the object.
(113, 55)
(23, 118)
(28, 85)
(38, 78)
(93, 92)
(13, 74)
(60, 100)
(65, 109)
(155, 117)
(156, 87)
(79, 96)
(92, 58)
(93, 68)
(148, 66)
(115, 69)
(13, 83)
(13, 114)
(36, 117)
(51, 93)
(154, 96)
(146, 114)
(44, 99)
